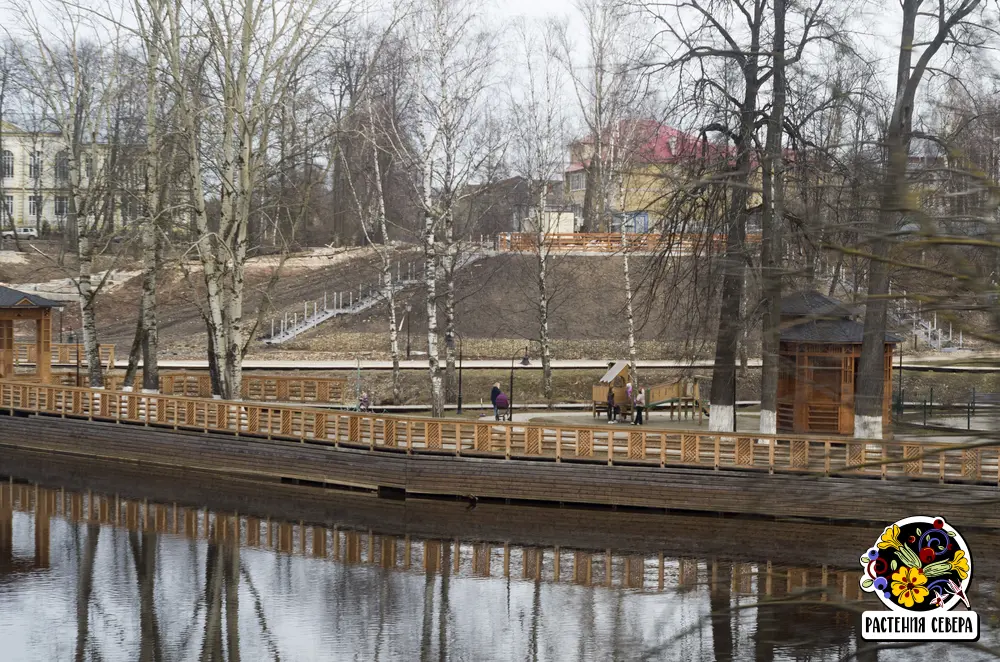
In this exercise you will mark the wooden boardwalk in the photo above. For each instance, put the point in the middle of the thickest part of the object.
(774, 476)
(623, 445)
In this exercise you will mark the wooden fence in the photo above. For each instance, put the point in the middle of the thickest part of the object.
(62, 354)
(611, 242)
(886, 460)
(258, 388)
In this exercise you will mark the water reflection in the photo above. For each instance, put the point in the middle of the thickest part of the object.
(89, 576)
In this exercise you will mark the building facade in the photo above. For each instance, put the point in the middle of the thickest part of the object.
(35, 180)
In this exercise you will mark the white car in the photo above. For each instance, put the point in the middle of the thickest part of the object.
(22, 233)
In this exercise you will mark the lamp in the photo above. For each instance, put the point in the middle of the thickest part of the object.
(450, 342)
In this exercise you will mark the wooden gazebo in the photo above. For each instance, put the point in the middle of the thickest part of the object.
(818, 365)
(23, 306)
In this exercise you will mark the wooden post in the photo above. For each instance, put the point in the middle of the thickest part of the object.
(6, 348)
(43, 346)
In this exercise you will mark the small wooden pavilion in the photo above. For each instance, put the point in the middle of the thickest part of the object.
(22, 306)
(617, 377)
(818, 364)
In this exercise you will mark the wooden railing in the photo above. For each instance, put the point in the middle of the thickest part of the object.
(611, 242)
(62, 354)
(906, 460)
(258, 388)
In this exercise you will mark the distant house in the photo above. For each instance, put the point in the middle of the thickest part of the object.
(647, 160)
(512, 205)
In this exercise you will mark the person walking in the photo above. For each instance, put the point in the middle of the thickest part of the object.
(640, 404)
(493, 398)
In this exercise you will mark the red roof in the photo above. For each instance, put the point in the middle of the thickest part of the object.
(651, 142)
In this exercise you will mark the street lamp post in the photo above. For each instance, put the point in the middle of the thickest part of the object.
(525, 361)
(451, 344)
(409, 309)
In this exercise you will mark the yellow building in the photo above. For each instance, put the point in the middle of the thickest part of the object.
(650, 164)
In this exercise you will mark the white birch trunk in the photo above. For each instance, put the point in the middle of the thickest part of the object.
(390, 291)
(543, 312)
(87, 315)
(629, 315)
(448, 267)
(430, 282)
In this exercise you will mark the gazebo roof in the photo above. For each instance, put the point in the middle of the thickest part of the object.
(842, 331)
(810, 303)
(11, 298)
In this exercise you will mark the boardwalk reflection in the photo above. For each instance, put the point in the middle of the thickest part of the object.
(238, 573)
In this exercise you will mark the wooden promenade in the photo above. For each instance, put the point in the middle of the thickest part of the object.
(783, 475)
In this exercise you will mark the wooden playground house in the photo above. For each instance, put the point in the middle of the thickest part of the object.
(22, 307)
(682, 397)
(818, 365)
(617, 378)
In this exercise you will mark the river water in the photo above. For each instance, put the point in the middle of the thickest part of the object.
(94, 574)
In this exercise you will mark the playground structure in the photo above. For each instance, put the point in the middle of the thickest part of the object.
(617, 378)
(683, 397)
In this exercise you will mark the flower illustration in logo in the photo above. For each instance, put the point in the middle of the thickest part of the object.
(918, 564)
(908, 586)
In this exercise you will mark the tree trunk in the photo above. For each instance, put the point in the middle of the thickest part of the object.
(771, 234)
(448, 268)
(128, 382)
(543, 314)
(723, 396)
(871, 366)
(629, 315)
(150, 337)
(430, 283)
(95, 375)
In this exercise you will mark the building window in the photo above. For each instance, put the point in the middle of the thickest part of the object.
(62, 203)
(8, 204)
(578, 181)
(62, 166)
(89, 166)
(35, 205)
(7, 163)
(35, 165)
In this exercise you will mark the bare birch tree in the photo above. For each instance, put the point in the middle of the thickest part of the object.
(250, 51)
(539, 133)
(450, 58)
(77, 80)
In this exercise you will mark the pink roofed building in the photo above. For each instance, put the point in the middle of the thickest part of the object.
(645, 159)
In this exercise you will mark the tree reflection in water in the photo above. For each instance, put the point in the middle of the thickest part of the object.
(318, 592)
